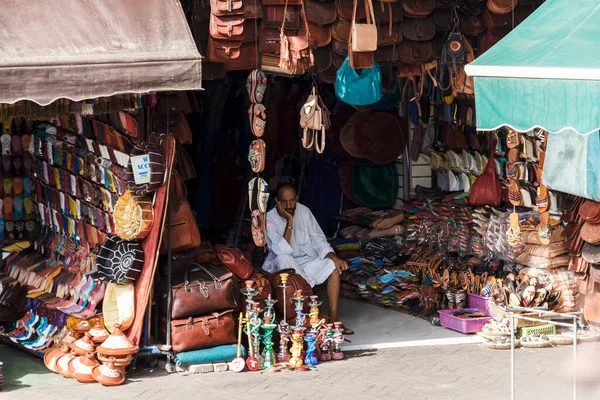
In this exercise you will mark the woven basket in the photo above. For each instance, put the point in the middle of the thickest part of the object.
(561, 340)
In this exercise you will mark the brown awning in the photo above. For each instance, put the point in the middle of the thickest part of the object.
(83, 49)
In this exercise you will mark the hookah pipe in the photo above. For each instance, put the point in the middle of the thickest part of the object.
(251, 362)
(284, 285)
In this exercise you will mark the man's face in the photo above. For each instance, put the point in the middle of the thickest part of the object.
(287, 198)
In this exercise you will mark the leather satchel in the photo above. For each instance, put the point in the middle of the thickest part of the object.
(340, 30)
(227, 27)
(418, 8)
(248, 58)
(364, 36)
(320, 12)
(471, 25)
(345, 10)
(340, 49)
(185, 234)
(487, 189)
(226, 7)
(200, 291)
(221, 51)
(385, 38)
(415, 52)
(204, 332)
(295, 282)
(234, 260)
(270, 39)
(295, 54)
(418, 29)
(320, 36)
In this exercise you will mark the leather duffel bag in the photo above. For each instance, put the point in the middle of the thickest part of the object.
(203, 332)
(295, 282)
(202, 290)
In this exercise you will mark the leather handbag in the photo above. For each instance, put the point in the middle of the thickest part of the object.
(418, 8)
(320, 36)
(235, 261)
(226, 7)
(200, 291)
(418, 29)
(203, 332)
(179, 261)
(248, 58)
(364, 36)
(590, 211)
(415, 52)
(227, 27)
(295, 282)
(185, 234)
(320, 12)
(359, 88)
(339, 48)
(223, 50)
(270, 39)
(345, 10)
(487, 189)
(295, 54)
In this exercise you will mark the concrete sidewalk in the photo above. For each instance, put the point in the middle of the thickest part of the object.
(415, 373)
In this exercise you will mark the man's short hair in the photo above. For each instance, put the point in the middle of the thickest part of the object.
(284, 186)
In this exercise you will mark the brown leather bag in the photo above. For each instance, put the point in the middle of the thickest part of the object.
(320, 12)
(418, 8)
(227, 27)
(222, 51)
(204, 332)
(471, 25)
(323, 59)
(340, 30)
(387, 56)
(487, 189)
(226, 7)
(384, 38)
(295, 53)
(234, 260)
(320, 36)
(295, 282)
(176, 124)
(253, 9)
(248, 58)
(251, 31)
(442, 19)
(200, 290)
(501, 6)
(346, 7)
(418, 29)
(185, 234)
(388, 11)
(415, 52)
(179, 261)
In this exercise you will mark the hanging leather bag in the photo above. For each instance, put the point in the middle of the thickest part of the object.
(364, 36)
(220, 51)
(226, 7)
(295, 54)
(227, 27)
(200, 290)
(196, 333)
(487, 189)
(185, 234)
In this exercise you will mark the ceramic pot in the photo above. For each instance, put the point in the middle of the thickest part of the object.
(51, 357)
(83, 326)
(68, 339)
(83, 345)
(98, 333)
(62, 364)
(121, 361)
(107, 374)
(117, 345)
(81, 367)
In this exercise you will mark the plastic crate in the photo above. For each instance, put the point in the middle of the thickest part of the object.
(481, 303)
(472, 325)
(547, 329)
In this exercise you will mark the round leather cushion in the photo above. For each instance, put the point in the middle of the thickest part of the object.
(380, 136)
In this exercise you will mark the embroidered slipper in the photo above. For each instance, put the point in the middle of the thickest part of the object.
(256, 85)
(256, 155)
(252, 195)
(5, 143)
(258, 119)
(514, 231)
(542, 199)
(544, 233)
(262, 195)
(259, 228)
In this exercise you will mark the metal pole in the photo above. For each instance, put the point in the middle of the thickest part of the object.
(574, 358)
(512, 356)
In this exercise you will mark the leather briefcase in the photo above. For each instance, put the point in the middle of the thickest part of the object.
(185, 234)
(201, 290)
(295, 282)
(203, 332)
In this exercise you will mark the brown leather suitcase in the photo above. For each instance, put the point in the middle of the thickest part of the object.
(203, 332)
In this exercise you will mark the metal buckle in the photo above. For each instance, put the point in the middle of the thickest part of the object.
(203, 289)
(189, 326)
(206, 326)
(187, 287)
(218, 284)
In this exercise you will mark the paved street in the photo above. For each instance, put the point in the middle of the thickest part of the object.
(415, 373)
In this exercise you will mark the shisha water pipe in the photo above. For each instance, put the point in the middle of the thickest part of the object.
(338, 339)
(314, 320)
(300, 316)
(249, 292)
(255, 324)
(268, 327)
(284, 285)
(326, 337)
(284, 337)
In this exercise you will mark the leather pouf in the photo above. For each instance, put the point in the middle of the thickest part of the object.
(348, 135)
(375, 185)
(118, 306)
(381, 136)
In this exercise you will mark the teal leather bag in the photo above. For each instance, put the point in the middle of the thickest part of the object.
(358, 87)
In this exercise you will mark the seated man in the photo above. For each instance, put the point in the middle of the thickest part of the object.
(295, 240)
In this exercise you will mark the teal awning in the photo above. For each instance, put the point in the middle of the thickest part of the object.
(545, 73)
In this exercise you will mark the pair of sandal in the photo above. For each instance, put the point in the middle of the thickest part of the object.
(258, 198)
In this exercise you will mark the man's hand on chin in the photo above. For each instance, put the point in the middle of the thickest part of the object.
(340, 264)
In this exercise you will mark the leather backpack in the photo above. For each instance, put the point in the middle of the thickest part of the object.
(487, 189)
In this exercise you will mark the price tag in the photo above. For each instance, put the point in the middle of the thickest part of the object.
(141, 169)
